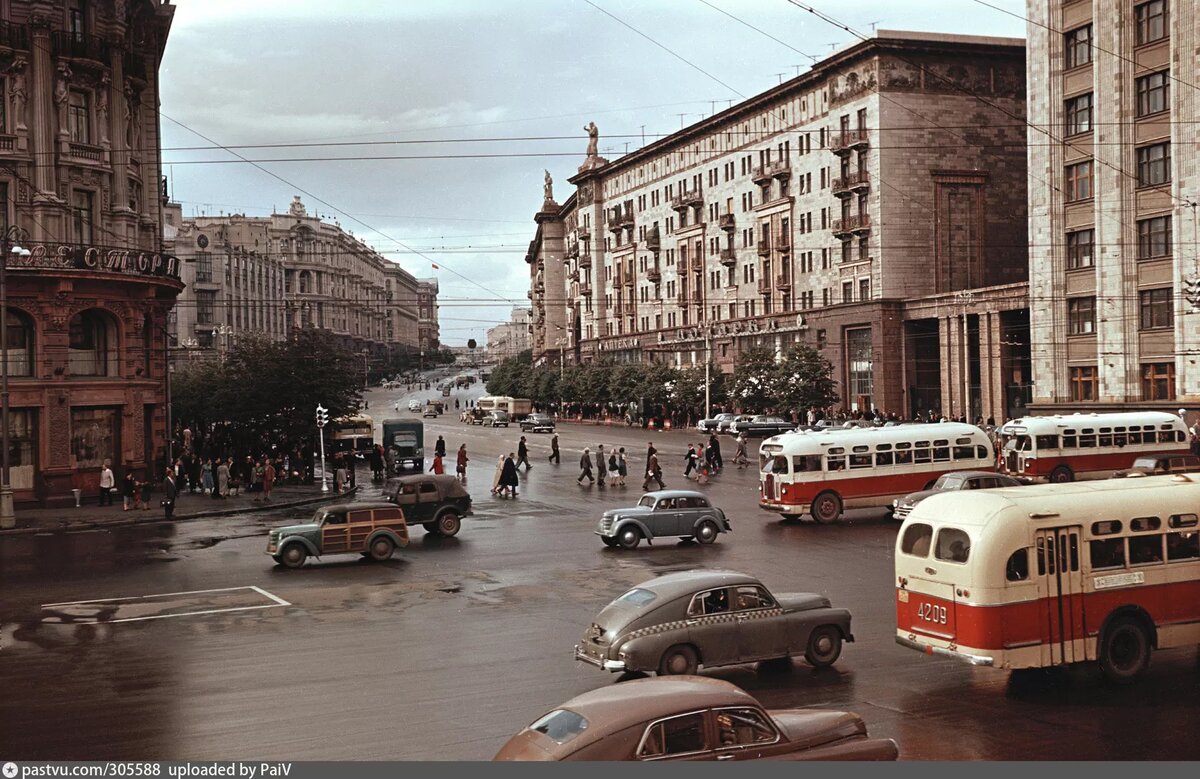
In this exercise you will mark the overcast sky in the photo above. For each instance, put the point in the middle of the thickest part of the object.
(375, 76)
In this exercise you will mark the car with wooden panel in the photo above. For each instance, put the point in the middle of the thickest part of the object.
(437, 502)
(374, 530)
(691, 718)
(683, 513)
(679, 622)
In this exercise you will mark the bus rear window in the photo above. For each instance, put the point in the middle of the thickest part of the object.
(916, 540)
(953, 545)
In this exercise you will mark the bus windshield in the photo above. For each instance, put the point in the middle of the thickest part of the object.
(776, 464)
(1018, 443)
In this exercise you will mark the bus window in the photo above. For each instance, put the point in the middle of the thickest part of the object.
(861, 460)
(1146, 550)
(941, 451)
(981, 453)
(1119, 436)
(835, 462)
(806, 463)
(904, 457)
(1183, 546)
(916, 540)
(1045, 555)
(1106, 438)
(1069, 439)
(778, 465)
(964, 453)
(1135, 435)
(1087, 438)
(921, 452)
(1166, 436)
(1142, 524)
(1074, 550)
(953, 545)
(883, 458)
(1017, 567)
(1106, 528)
(1182, 520)
(1107, 553)
(1047, 442)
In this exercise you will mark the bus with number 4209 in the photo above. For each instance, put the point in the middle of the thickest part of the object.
(1054, 574)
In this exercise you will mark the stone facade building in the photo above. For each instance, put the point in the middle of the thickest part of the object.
(873, 207)
(509, 339)
(80, 174)
(429, 334)
(1112, 227)
(273, 275)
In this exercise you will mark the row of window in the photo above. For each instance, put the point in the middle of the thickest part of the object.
(1158, 381)
(1151, 24)
(93, 344)
(1154, 240)
(1092, 438)
(904, 454)
(1153, 97)
(1153, 169)
(1156, 311)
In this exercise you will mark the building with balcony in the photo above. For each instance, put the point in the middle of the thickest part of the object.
(1112, 211)
(850, 208)
(428, 332)
(81, 190)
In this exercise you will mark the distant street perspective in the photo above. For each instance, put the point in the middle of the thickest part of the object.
(597, 381)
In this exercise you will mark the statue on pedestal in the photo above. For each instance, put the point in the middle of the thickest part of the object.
(548, 189)
(594, 160)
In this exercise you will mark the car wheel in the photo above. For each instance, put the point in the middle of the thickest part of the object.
(707, 532)
(678, 660)
(629, 537)
(827, 508)
(1124, 651)
(1061, 475)
(824, 646)
(293, 555)
(448, 524)
(382, 548)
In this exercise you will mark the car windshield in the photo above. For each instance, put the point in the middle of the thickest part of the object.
(647, 501)
(561, 725)
(1145, 462)
(948, 481)
(637, 597)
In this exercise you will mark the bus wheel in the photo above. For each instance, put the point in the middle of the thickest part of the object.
(1124, 651)
(827, 508)
(1061, 475)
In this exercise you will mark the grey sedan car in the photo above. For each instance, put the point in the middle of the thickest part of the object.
(683, 513)
(948, 482)
(679, 622)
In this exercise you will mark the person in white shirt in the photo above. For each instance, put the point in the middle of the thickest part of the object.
(107, 482)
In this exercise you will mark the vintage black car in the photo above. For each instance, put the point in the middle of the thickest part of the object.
(437, 502)
(538, 423)
(679, 622)
(683, 513)
(761, 426)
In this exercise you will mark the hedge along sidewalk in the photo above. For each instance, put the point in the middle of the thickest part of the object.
(94, 517)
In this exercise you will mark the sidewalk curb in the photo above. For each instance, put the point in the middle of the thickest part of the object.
(158, 518)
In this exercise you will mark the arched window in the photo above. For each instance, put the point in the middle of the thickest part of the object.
(93, 344)
(20, 343)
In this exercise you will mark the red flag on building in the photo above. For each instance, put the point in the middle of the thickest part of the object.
(435, 267)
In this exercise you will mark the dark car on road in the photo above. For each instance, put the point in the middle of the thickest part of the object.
(681, 513)
(1158, 464)
(761, 426)
(538, 423)
(691, 718)
(715, 424)
(949, 482)
(437, 502)
(496, 419)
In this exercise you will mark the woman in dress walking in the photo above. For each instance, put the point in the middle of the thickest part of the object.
(461, 467)
(496, 476)
(206, 476)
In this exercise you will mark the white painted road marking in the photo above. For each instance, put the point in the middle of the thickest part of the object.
(203, 602)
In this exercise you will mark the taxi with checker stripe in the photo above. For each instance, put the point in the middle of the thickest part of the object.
(677, 623)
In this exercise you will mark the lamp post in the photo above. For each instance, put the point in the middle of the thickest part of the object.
(322, 418)
(8, 518)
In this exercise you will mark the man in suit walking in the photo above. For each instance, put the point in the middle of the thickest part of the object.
(170, 492)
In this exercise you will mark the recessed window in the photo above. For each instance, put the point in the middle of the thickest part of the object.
(1154, 164)
(1084, 383)
(1151, 19)
(1078, 114)
(20, 343)
(1155, 308)
(1077, 46)
(79, 117)
(1153, 93)
(92, 348)
(1078, 182)
(1081, 316)
(1081, 246)
(1154, 237)
(1158, 381)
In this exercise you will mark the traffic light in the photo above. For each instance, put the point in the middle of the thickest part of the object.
(322, 415)
(1191, 291)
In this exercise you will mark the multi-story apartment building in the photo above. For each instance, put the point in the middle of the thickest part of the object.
(509, 339)
(1112, 225)
(873, 207)
(429, 334)
(273, 275)
(88, 298)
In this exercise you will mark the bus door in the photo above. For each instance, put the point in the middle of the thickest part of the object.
(1060, 589)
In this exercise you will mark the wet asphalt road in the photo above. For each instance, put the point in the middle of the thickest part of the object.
(454, 645)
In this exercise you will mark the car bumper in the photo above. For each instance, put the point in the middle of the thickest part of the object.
(607, 665)
(912, 643)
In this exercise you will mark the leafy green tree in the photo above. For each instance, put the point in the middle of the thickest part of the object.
(754, 376)
(805, 380)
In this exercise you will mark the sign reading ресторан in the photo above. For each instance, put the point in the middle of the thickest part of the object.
(103, 259)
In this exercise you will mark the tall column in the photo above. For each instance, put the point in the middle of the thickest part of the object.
(42, 119)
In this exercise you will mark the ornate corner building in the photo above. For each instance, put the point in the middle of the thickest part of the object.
(874, 208)
(81, 190)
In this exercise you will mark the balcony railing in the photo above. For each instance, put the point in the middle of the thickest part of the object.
(857, 181)
(698, 263)
(654, 274)
(845, 140)
(729, 257)
(14, 36)
(8, 142)
(783, 281)
(625, 219)
(783, 241)
(778, 169)
(627, 277)
(85, 151)
(584, 233)
(727, 222)
(841, 226)
(690, 199)
(764, 285)
(860, 223)
(81, 46)
(764, 247)
(585, 260)
(653, 242)
(585, 288)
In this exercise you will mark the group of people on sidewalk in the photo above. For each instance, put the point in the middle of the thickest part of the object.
(611, 468)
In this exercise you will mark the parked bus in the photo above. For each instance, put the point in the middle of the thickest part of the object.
(824, 472)
(1063, 448)
(354, 434)
(405, 440)
(1032, 577)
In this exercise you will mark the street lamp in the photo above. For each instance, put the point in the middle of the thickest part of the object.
(322, 419)
(8, 518)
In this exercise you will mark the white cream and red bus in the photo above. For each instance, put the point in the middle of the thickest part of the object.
(1053, 574)
(1064, 448)
(823, 472)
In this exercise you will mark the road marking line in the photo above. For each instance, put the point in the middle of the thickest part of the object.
(275, 598)
(168, 616)
(276, 602)
(159, 595)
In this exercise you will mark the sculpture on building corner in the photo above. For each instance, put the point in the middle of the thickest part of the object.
(594, 160)
(548, 188)
(19, 91)
(62, 95)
